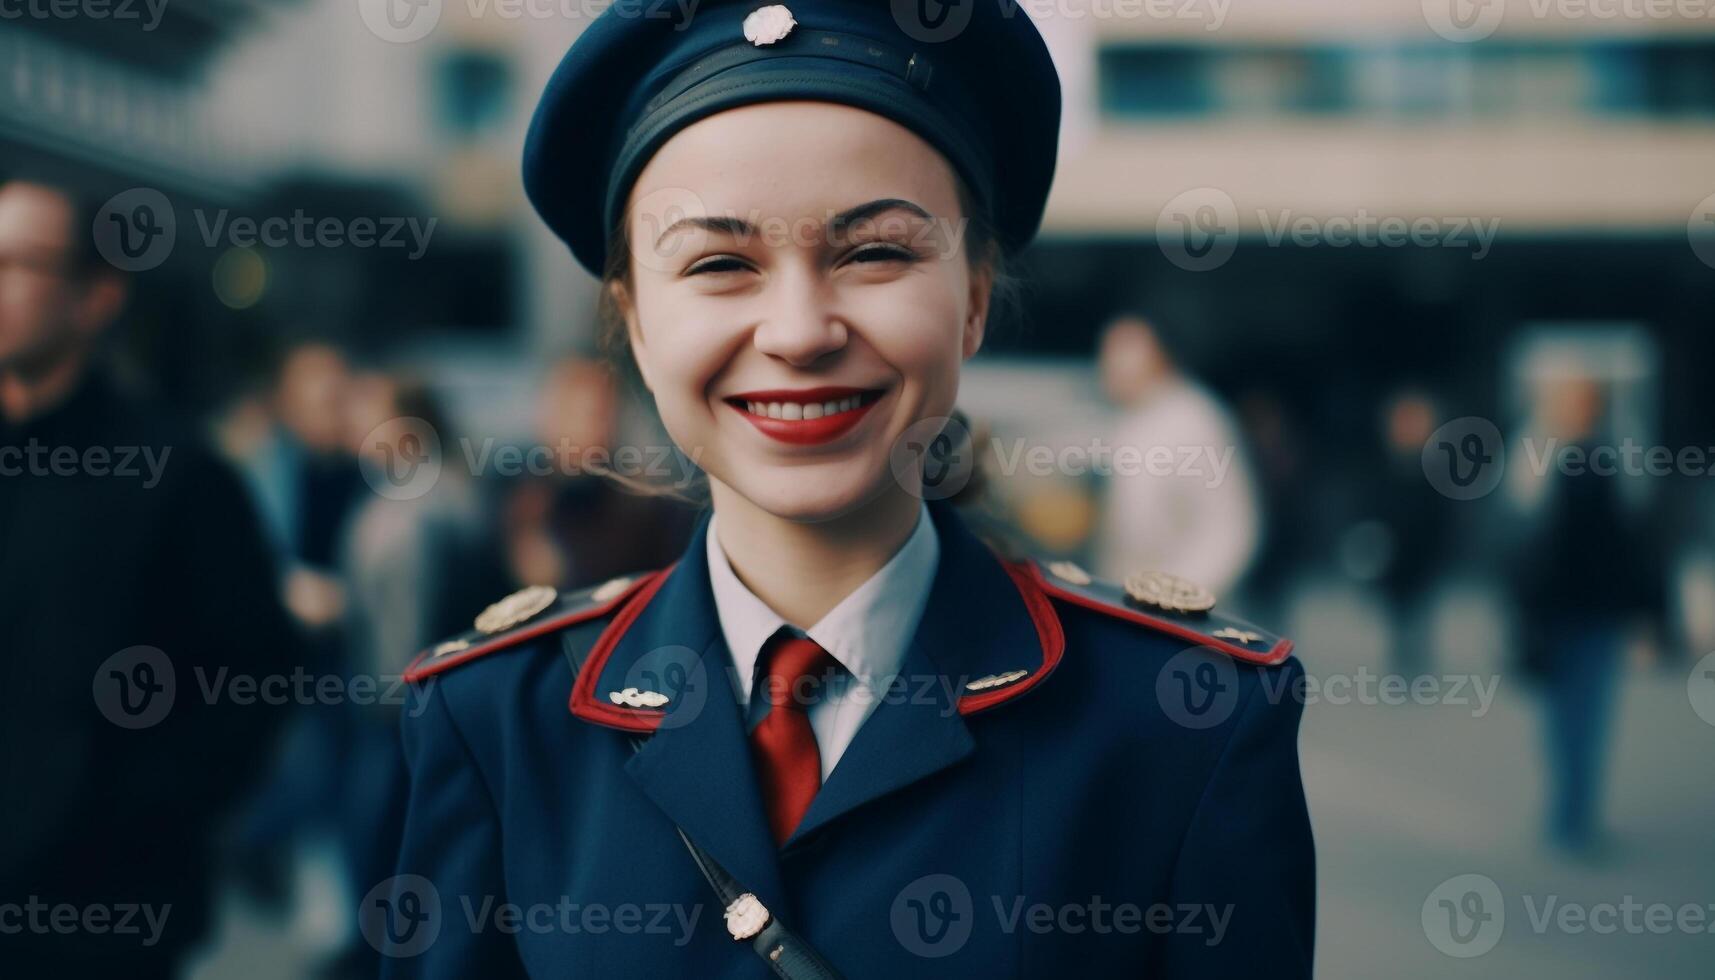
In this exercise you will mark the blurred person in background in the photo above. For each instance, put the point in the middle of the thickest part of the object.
(1275, 438)
(1414, 519)
(415, 565)
(318, 476)
(1191, 510)
(303, 470)
(575, 527)
(413, 558)
(118, 530)
(1589, 584)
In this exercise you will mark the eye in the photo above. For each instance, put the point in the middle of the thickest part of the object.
(883, 252)
(716, 264)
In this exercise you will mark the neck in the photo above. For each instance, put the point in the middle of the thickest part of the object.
(26, 393)
(802, 570)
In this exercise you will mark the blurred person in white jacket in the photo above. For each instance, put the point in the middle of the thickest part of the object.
(1181, 497)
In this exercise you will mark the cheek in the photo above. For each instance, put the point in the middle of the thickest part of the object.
(685, 346)
(919, 332)
(24, 303)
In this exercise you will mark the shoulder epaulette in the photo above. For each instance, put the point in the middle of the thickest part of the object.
(1163, 602)
(524, 615)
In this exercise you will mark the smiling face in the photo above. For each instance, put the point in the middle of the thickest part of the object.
(800, 294)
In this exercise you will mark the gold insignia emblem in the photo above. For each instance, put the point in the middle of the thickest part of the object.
(516, 608)
(611, 588)
(1169, 592)
(745, 917)
(631, 697)
(996, 680)
(450, 646)
(1069, 571)
(1238, 636)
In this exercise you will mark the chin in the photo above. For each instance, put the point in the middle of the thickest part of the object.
(816, 493)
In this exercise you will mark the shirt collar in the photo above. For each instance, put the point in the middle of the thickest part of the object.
(866, 632)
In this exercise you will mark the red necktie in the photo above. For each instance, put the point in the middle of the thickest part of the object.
(788, 764)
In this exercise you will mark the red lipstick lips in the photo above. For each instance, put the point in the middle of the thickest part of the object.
(805, 416)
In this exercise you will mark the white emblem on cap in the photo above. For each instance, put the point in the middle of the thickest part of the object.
(765, 25)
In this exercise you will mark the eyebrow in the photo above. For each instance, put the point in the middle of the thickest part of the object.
(730, 225)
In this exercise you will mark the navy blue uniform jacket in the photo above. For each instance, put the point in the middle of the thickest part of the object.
(1118, 795)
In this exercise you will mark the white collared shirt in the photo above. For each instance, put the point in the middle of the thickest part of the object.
(867, 632)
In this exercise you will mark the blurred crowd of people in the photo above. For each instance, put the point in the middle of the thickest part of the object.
(283, 543)
(377, 566)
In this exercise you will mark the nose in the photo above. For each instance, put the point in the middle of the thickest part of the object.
(800, 326)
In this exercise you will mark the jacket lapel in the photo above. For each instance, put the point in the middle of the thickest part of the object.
(988, 635)
(984, 622)
(696, 766)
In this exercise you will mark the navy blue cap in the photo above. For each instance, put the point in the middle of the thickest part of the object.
(976, 83)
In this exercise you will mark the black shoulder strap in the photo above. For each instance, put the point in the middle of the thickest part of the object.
(785, 953)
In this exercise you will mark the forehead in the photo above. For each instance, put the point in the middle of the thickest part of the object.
(793, 158)
(34, 216)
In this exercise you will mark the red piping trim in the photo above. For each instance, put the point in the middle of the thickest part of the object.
(1274, 655)
(584, 704)
(414, 673)
(1048, 632)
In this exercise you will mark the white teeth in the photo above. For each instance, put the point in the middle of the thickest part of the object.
(794, 411)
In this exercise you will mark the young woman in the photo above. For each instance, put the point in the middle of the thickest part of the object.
(840, 736)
